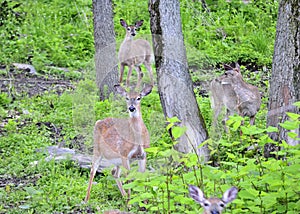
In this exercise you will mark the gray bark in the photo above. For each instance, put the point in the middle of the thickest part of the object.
(105, 47)
(174, 82)
(285, 79)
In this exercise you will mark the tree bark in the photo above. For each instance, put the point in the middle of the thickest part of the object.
(174, 82)
(105, 47)
(285, 79)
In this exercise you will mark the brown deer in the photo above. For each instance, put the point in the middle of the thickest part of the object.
(120, 140)
(212, 205)
(231, 91)
(133, 53)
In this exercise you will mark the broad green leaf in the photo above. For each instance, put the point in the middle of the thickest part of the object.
(293, 135)
(252, 130)
(236, 125)
(230, 155)
(272, 129)
(289, 125)
(178, 131)
(245, 195)
(293, 116)
(152, 150)
(173, 120)
(297, 104)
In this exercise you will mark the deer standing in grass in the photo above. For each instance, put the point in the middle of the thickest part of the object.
(121, 140)
(133, 53)
(231, 91)
(212, 205)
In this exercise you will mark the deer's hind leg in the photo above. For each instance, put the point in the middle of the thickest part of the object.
(95, 165)
(130, 67)
(140, 75)
(148, 67)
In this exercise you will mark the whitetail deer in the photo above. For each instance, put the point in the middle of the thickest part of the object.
(133, 53)
(231, 91)
(121, 140)
(212, 205)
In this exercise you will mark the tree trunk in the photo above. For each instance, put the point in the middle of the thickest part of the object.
(174, 82)
(105, 46)
(285, 79)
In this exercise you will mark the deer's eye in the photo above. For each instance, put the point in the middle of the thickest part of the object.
(127, 98)
(222, 205)
(128, 29)
(138, 98)
(206, 204)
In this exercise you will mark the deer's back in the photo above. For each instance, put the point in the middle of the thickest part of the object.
(135, 52)
(115, 133)
(249, 99)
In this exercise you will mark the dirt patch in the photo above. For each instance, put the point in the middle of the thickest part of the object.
(7, 180)
(25, 83)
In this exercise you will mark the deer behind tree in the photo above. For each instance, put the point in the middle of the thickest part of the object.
(231, 91)
(133, 53)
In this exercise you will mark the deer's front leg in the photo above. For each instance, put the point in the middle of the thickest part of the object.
(121, 72)
(116, 172)
(142, 164)
(129, 75)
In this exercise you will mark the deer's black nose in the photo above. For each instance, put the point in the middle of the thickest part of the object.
(132, 34)
(131, 108)
(215, 212)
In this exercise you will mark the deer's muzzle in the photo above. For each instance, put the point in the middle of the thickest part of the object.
(131, 108)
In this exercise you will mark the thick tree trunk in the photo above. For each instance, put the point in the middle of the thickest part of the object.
(174, 82)
(285, 79)
(105, 46)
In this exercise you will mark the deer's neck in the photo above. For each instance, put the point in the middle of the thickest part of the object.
(136, 120)
(128, 38)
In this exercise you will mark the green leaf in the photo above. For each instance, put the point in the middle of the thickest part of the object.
(293, 135)
(230, 155)
(178, 131)
(236, 125)
(293, 116)
(289, 125)
(244, 194)
(173, 120)
(152, 150)
(272, 129)
(252, 130)
(297, 104)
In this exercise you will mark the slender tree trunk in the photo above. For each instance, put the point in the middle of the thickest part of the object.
(285, 79)
(105, 46)
(174, 82)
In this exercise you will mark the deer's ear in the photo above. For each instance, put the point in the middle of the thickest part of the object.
(139, 23)
(237, 66)
(120, 90)
(123, 23)
(196, 194)
(146, 90)
(227, 67)
(230, 195)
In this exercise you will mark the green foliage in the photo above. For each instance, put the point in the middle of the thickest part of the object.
(265, 185)
(230, 32)
(47, 33)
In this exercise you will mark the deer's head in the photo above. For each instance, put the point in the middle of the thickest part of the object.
(131, 29)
